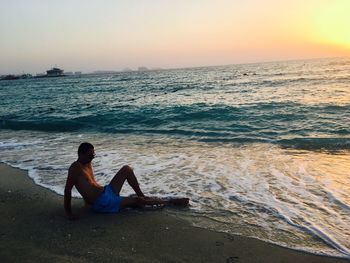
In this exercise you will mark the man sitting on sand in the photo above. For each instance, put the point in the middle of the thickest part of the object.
(105, 199)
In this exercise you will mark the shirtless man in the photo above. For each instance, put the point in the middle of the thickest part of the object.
(105, 199)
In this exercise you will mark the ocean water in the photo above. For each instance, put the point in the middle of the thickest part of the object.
(262, 150)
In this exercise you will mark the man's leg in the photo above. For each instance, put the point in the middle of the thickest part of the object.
(126, 173)
(150, 201)
(136, 202)
(132, 202)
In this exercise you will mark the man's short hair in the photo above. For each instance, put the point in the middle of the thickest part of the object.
(84, 147)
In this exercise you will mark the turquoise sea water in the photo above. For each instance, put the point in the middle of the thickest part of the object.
(262, 150)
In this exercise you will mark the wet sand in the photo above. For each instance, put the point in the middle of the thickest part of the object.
(33, 229)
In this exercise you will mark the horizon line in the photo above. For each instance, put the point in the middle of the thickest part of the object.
(128, 69)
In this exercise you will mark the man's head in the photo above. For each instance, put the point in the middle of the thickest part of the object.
(86, 152)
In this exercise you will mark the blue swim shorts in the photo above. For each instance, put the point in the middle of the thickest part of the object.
(107, 201)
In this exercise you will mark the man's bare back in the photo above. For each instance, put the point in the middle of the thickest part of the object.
(83, 179)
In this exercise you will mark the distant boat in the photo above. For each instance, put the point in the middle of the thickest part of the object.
(54, 72)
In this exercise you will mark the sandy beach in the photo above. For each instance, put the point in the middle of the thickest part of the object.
(34, 229)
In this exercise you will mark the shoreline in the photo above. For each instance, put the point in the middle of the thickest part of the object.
(34, 229)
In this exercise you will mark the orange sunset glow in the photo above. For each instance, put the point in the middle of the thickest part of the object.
(89, 35)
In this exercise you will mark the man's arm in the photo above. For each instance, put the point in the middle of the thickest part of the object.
(68, 194)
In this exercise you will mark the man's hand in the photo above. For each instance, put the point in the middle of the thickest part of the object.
(68, 195)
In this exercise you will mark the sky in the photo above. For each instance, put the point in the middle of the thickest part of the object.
(88, 35)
